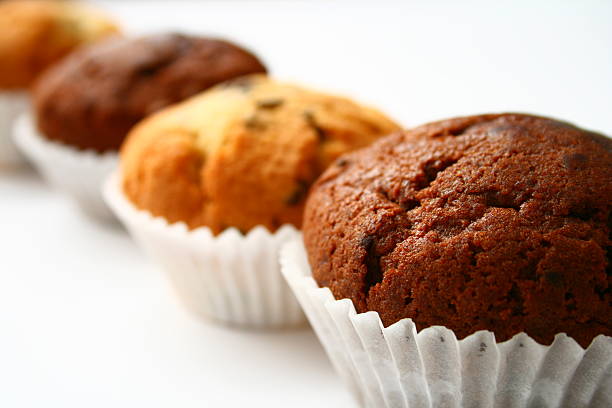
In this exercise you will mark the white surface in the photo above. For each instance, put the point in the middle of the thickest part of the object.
(86, 321)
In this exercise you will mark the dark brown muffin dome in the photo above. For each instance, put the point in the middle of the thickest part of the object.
(493, 222)
(93, 97)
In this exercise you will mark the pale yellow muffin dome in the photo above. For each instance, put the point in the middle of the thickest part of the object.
(243, 153)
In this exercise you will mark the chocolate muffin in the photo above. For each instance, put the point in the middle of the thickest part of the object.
(492, 222)
(93, 97)
(242, 154)
(37, 33)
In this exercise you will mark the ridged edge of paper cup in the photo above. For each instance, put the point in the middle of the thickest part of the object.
(77, 173)
(397, 366)
(12, 104)
(232, 278)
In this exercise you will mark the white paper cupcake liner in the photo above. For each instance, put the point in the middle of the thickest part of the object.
(231, 278)
(397, 367)
(77, 173)
(12, 104)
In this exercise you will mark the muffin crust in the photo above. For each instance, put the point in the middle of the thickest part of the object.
(36, 33)
(242, 154)
(492, 222)
(94, 97)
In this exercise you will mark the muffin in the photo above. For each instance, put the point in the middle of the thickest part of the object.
(94, 97)
(85, 105)
(494, 229)
(234, 164)
(35, 35)
(243, 154)
(493, 222)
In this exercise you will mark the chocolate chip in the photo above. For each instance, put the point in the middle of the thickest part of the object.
(254, 123)
(312, 122)
(298, 194)
(270, 103)
(374, 274)
(341, 162)
(482, 348)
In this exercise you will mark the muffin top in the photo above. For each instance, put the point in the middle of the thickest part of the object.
(36, 33)
(493, 222)
(93, 97)
(242, 154)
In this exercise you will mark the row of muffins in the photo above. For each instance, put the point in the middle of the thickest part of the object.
(230, 147)
(495, 222)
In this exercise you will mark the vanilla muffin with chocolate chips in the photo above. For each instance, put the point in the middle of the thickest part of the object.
(36, 33)
(242, 154)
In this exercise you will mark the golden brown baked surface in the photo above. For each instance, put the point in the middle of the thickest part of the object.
(36, 33)
(242, 154)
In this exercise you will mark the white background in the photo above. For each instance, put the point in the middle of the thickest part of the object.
(85, 321)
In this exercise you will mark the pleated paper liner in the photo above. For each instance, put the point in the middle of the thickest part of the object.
(77, 173)
(397, 366)
(12, 104)
(231, 278)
